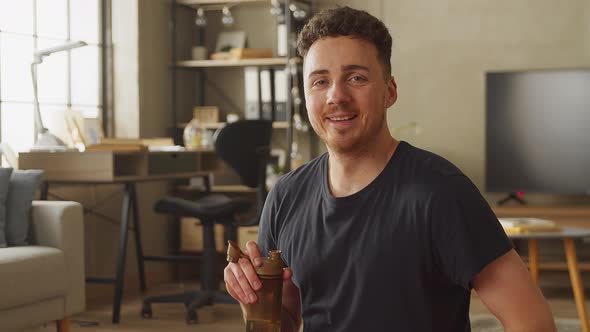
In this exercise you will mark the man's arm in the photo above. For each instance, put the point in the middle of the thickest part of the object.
(507, 289)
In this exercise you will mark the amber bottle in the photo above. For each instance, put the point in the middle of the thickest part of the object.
(265, 314)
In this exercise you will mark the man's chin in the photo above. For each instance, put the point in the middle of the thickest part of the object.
(342, 146)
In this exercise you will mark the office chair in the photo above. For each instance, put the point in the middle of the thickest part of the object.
(245, 146)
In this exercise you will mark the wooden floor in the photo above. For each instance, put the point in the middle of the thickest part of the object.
(227, 318)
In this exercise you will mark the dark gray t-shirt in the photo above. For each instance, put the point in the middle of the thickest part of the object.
(399, 255)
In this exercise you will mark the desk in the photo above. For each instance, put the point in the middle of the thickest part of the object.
(568, 235)
(125, 168)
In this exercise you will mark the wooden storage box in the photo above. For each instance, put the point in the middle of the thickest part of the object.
(250, 53)
(206, 114)
(246, 234)
(191, 236)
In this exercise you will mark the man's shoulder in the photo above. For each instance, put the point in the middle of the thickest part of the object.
(421, 163)
(310, 172)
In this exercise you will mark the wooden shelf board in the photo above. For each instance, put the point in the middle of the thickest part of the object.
(214, 2)
(216, 125)
(231, 63)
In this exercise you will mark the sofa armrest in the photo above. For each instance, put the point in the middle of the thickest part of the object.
(60, 225)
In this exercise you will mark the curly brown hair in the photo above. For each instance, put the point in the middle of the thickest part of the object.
(346, 21)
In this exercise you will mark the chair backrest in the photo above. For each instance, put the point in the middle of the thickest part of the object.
(245, 146)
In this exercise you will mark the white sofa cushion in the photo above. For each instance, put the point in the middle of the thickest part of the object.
(29, 274)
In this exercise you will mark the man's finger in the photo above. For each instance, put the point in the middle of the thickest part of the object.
(243, 283)
(232, 285)
(250, 273)
(287, 273)
(254, 253)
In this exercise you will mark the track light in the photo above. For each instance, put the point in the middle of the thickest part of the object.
(226, 17)
(200, 20)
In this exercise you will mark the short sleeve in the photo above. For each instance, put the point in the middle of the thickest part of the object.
(266, 236)
(465, 232)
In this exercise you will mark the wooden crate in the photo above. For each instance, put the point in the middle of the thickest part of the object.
(191, 236)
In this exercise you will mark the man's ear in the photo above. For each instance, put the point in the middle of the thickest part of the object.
(391, 95)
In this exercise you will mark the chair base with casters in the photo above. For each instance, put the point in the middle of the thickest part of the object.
(210, 210)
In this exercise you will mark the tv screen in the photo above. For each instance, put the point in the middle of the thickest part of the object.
(538, 131)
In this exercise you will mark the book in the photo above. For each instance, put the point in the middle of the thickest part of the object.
(528, 225)
(526, 222)
(525, 230)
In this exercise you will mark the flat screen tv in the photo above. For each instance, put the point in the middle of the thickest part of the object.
(538, 131)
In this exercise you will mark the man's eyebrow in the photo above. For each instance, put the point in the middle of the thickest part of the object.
(318, 72)
(354, 67)
(344, 68)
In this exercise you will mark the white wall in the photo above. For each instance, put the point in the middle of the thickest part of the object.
(443, 48)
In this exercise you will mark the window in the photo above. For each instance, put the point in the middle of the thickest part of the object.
(67, 80)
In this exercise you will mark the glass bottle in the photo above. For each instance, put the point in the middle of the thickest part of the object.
(192, 134)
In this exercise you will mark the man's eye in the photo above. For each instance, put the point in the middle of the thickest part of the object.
(319, 82)
(357, 78)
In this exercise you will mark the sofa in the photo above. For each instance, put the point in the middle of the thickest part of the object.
(44, 282)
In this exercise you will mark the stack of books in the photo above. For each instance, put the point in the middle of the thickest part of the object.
(528, 225)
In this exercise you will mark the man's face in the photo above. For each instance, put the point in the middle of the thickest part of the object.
(346, 93)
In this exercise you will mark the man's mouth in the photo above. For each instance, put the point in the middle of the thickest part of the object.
(341, 118)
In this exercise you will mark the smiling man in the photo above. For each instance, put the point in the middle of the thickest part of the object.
(379, 235)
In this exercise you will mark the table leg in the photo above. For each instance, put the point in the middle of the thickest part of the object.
(119, 278)
(534, 261)
(574, 271)
(138, 247)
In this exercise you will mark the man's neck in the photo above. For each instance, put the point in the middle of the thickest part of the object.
(348, 173)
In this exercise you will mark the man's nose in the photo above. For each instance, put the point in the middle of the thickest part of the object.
(338, 94)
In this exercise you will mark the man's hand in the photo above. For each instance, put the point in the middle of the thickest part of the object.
(241, 280)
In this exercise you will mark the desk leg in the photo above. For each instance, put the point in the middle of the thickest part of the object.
(44, 191)
(534, 261)
(574, 271)
(138, 248)
(119, 279)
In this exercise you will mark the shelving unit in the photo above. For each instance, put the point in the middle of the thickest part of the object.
(201, 67)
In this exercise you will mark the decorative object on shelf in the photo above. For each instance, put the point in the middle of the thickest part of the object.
(199, 53)
(226, 41)
(250, 53)
(232, 117)
(192, 134)
(206, 114)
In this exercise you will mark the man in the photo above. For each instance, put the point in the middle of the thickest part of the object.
(379, 235)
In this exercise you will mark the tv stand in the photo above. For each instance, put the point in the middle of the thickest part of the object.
(512, 196)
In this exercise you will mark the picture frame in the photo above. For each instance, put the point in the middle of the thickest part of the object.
(226, 40)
